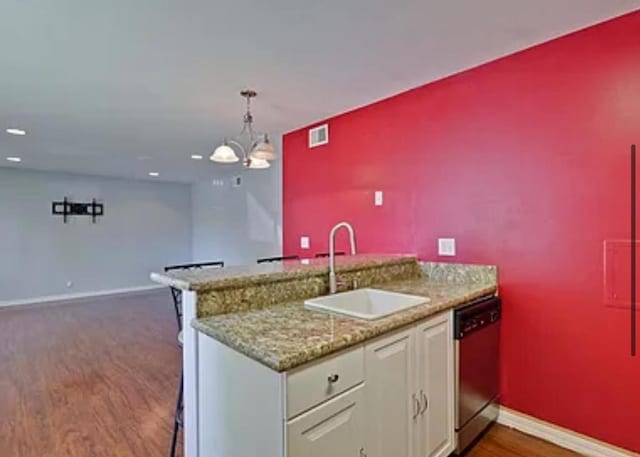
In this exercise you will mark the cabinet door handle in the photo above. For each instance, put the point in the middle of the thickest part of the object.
(416, 406)
(362, 452)
(426, 402)
(333, 378)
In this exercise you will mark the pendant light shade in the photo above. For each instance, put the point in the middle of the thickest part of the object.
(257, 164)
(224, 154)
(264, 150)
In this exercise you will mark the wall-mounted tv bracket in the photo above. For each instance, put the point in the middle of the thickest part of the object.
(67, 208)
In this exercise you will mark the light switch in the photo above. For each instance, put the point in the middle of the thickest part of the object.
(447, 246)
(377, 199)
(304, 242)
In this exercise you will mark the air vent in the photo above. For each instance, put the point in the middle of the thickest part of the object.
(318, 135)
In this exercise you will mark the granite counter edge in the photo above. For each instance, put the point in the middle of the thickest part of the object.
(263, 278)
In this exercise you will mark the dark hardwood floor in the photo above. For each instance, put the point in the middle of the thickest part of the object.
(500, 441)
(99, 379)
(89, 379)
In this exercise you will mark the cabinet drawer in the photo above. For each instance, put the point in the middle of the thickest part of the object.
(333, 429)
(313, 384)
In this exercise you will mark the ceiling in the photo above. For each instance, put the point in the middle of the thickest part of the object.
(121, 87)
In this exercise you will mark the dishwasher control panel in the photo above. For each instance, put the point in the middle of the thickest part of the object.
(476, 315)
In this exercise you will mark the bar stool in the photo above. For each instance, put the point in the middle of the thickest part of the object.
(178, 418)
(278, 259)
(176, 294)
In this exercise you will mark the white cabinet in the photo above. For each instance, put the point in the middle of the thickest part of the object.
(335, 428)
(435, 387)
(390, 395)
(409, 392)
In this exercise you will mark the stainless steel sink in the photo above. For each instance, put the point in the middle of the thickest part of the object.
(369, 304)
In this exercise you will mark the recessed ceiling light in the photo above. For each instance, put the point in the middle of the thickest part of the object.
(18, 132)
(14, 159)
(154, 173)
(196, 156)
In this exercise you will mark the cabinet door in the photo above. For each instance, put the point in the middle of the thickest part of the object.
(435, 387)
(335, 428)
(389, 393)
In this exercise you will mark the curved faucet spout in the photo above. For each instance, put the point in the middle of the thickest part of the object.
(332, 250)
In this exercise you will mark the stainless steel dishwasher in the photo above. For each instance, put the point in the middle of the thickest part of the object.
(477, 386)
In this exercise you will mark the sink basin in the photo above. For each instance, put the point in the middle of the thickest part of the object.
(369, 304)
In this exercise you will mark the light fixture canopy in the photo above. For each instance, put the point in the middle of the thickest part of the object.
(255, 149)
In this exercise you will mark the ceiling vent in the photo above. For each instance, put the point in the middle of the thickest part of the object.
(319, 135)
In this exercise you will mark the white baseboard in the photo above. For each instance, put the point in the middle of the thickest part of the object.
(560, 436)
(52, 299)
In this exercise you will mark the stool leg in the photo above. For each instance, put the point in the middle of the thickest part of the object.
(177, 419)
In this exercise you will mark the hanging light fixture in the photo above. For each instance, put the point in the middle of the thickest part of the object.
(255, 149)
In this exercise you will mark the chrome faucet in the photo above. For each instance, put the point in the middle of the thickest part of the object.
(332, 250)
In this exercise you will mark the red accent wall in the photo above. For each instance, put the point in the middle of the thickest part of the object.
(525, 161)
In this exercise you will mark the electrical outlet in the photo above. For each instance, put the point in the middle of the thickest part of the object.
(304, 242)
(377, 199)
(446, 246)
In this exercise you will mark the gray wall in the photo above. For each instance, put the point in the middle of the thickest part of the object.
(238, 225)
(146, 226)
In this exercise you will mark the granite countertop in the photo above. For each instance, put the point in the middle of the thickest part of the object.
(202, 280)
(286, 336)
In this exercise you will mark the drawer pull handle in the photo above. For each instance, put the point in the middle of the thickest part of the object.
(333, 378)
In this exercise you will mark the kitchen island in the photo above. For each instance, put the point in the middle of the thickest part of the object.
(265, 376)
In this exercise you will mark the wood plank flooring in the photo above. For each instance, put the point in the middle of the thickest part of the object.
(500, 441)
(99, 379)
(89, 379)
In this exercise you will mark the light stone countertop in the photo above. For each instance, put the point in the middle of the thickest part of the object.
(286, 336)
